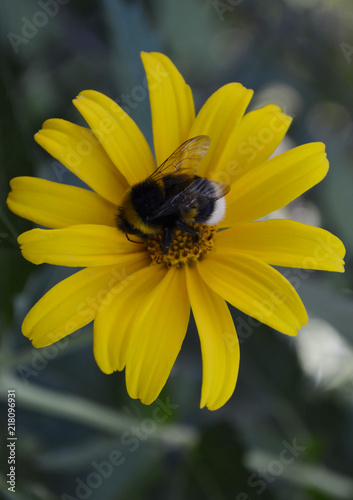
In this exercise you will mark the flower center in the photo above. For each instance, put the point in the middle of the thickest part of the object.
(186, 248)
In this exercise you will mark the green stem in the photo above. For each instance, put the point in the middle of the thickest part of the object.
(93, 414)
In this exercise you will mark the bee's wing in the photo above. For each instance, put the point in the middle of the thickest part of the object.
(206, 189)
(185, 159)
(211, 190)
(200, 189)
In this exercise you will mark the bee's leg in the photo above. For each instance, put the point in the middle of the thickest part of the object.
(167, 239)
(192, 231)
(185, 228)
(133, 241)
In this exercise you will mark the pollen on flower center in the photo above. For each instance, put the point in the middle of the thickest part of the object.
(187, 247)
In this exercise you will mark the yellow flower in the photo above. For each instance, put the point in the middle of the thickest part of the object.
(139, 297)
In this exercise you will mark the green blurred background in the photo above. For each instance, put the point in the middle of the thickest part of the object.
(287, 432)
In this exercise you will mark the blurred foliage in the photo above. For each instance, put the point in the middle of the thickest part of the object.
(287, 432)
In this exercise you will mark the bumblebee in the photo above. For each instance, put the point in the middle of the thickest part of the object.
(173, 197)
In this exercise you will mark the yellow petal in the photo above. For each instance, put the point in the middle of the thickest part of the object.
(56, 205)
(172, 105)
(75, 301)
(256, 289)
(219, 342)
(112, 331)
(76, 246)
(275, 183)
(218, 118)
(157, 332)
(121, 138)
(285, 243)
(78, 149)
(250, 143)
